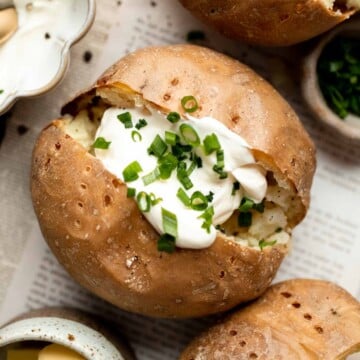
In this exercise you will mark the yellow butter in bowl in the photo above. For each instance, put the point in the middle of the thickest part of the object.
(23, 354)
(58, 352)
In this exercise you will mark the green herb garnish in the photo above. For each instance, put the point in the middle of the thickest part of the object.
(131, 172)
(131, 192)
(173, 117)
(144, 201)
(166, 243)
(245, 219)
(171, 138)
(339, 75)
(211, 144)
(141, 123)
(151, 177)
(1, 91)
(167, 164)
(101, 143)
(158, 147)
(125, 118)
(198, 201)
(207, 215)
(136, 136)
(183, 197)
(183, 176)
(263, 243)
(235, 188)
(189, 135)
(189, 104)
(169, 222)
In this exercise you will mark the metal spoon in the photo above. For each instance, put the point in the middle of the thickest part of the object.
(8, 19)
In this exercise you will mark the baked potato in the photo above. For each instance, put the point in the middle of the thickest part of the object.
(272, 22)
(94, 225)
(297, 319)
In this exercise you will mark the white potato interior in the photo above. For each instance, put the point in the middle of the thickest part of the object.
(338, 5)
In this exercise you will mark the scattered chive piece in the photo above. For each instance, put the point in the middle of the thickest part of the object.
(141, 123)
(207, 215)
(136, 136)
(131, 192)
(1, 91)
(154, 200)
(246, 204)
(144, 201)
(245, 219)
(263, 243)
(220, 170)
(220, 228)
(183, 197)
(189, 104)
(173, 117)
(198, 161)
(101, 143)
(158, 147)
(125, 118)
(166, 243)
(169, 222)
(189, 135)
(236, 187)
(151, 177)
(220, 158)
(210, 196)
(211, 144)
(171, 138)
(180, 151)
(192, 167)
(131, 172)
(198, 201)
(279, 229)
(259, 207)
(167, 164)
(183, 176)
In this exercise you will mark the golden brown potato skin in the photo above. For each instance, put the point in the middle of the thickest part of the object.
(297, 319)
(100, 236)
(267, 22)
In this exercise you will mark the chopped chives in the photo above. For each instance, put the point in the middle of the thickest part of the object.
(166, 243)
(131, 192)
(189, 104)
(198, 201)
(189, 135)
(198, 161)
(245, 219)
(279, 229)
(220, 158)
(131, 172)
(260, 207)
(183, 197)
(167, 164)
(191, 167)
(141, 123)
(171, 138)
(207, 215)
(151, 177)
(263, 243)
(144, 201)
(101, 143)
(169, 222)
(154, 199)
(136, 136)
(235, 188)
(158, 147)
(246, 204)
(211, 144)
(183, 176)
(210, 196)
(125, 118)
(173, 117)
(1, 91)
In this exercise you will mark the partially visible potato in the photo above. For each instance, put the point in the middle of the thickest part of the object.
(272, 22)
(297, 319)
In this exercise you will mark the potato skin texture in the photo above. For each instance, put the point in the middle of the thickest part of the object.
(298, 319)
(100, 236)
(267, 22)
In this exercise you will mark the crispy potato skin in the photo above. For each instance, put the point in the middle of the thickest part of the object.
(104, 242)
(100, 236)
(267, 22)
(297, 319)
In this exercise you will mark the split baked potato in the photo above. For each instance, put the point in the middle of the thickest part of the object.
(97, 231)
(272, 22)
(297, 319)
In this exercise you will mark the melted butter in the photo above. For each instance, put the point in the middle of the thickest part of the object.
(239, 163)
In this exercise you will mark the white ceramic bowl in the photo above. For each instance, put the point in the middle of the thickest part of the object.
(36, 56)
(69, 328)
(350, 126)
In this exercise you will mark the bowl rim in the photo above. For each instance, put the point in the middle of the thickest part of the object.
(311, 91)
(64, 63)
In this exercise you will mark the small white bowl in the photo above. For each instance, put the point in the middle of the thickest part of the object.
(348, 127)
(70, 328)
(36, 56)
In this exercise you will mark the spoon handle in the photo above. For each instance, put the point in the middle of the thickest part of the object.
(5, 4)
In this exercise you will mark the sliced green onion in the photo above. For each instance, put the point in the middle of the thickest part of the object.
(141, 123)
(144, 201)
(125, 118)
(246, 204)
(169, 222)
(173, 117)
(235, 188)
(198, 201)
(279, 229)
(220, 170)
(183, 197)
(158, 147)
(189, 135)
(189, 104)
(1, 91)
(101, 143)
(151, 177)
(131, 192)
(171, 138)
(198, 161)
(167, 164)
(220, 158)
(191, 168)
(166, 243)
(263, 243)
(179, 151)
(207, 215)
(136, 136)
(210, 196)
(131, 172)
(260, 207)
(220, 228)
(211, 144)
(154, 199)
(245, 219)
(183, 176)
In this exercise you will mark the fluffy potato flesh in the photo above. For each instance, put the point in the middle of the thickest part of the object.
(269, 226)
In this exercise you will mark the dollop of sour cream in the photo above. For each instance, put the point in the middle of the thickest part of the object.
(239, 164)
